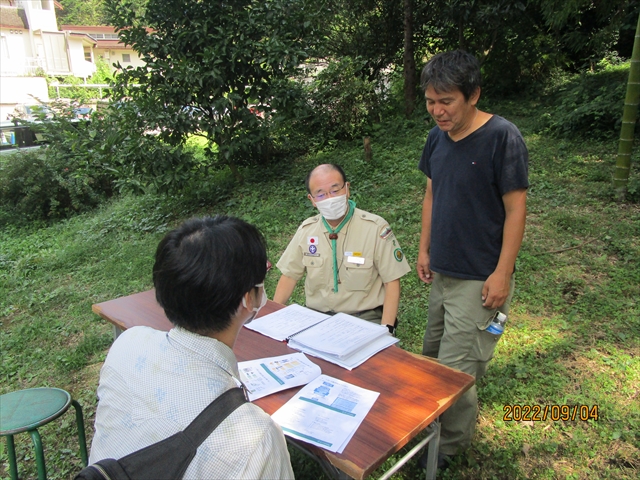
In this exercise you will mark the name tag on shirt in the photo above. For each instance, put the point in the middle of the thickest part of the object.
(357, 260)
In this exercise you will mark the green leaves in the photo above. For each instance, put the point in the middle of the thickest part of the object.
(216, 58)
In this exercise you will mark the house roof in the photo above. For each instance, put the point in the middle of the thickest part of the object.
(89, 28)
(99, 31)
(13, 17)
(85, 38)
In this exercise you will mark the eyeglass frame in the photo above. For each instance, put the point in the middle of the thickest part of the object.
(330, 193)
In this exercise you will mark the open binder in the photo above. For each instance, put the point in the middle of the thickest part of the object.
(342, 339)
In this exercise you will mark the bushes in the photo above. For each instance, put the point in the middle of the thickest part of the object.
(34, 185)
(588, 104)
(84, 162)
(335, 104)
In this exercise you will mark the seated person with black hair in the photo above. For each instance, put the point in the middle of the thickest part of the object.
(208, 276)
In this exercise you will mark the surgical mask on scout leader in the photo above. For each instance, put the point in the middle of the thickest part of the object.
(333, 207)
(263, 302)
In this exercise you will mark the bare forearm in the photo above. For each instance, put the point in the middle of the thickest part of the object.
(514, 224)
(423, 266)
(425, 232)
(496, 288)
(284, 289)
(391, 302)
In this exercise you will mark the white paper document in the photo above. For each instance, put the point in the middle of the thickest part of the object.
(342, 339)
(326, 412)
(265, 376)
(285, 322)
(356, 358)
(339, 335)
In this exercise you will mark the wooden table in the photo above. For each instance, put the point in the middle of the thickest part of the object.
(414, 391)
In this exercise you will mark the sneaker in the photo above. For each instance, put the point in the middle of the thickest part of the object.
(443, 460)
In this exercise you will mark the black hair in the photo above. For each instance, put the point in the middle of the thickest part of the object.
(450, 70)
(203, 269)
(332, 166)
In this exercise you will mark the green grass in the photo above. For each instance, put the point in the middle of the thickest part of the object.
(573, 336)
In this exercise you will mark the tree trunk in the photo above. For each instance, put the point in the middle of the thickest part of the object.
(409, 60)
(368, 152)
(625, 146)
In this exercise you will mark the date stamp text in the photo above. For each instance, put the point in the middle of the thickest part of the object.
(542, 413)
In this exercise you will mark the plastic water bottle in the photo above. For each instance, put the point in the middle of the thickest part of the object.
(497, 324)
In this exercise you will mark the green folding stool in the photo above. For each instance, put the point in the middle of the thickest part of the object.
(26, 410)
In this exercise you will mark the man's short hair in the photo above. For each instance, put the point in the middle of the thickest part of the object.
(332, 166)
(204, 267)
(452, 70)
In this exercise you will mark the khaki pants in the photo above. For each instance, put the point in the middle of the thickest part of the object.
(456, 336)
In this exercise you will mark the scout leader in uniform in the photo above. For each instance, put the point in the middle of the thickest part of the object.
(351, 257)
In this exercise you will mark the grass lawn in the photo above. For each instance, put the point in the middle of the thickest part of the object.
(573, 336)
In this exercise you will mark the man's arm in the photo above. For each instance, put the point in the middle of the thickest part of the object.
(496, 287)
(391, 302)
(423, 266)
(284, 289)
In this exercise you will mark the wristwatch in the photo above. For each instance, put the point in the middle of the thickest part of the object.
(392, 328)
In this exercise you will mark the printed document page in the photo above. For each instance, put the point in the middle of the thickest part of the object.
(339, 335)
(265, 376)
(356, 358)
(326, 412)
(285, 322)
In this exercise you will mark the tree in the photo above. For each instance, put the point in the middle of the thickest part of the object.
(625, 146)
(368, 29)
(81, 12)
(212, 68)
(409, 60)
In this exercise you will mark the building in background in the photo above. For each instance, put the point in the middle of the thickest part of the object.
(108, 45)
(31, 44)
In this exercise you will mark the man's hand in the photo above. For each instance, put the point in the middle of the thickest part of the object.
(495, 290)
(424, 272)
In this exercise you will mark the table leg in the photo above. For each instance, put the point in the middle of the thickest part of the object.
(327, 467)
(116, 331)
(434, 446)
(433, 439)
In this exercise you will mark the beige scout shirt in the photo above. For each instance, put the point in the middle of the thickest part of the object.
(368, 256)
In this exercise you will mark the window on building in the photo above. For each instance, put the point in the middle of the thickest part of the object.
(87, 54)
(126, 58)
(104, 36)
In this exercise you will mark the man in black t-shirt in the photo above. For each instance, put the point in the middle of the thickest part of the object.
(473, 219)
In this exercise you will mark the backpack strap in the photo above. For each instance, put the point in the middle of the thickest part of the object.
(169, 458)
(212, 416)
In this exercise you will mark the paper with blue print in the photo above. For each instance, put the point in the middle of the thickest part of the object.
(326, 412)
(265, 376)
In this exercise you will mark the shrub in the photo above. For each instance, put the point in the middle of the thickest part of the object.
(336, 104)
(34, 185)
(590, 103)
(84, 162)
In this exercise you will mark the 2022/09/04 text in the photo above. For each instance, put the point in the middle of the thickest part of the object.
(542, 413)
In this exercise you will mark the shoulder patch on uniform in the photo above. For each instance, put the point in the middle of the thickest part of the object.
(386, 231)
(398, 255)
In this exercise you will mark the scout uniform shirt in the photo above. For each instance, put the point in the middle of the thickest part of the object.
(368, 256)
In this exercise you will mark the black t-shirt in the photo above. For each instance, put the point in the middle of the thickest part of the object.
(469, 178)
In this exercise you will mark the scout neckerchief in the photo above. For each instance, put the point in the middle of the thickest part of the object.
(333, 236)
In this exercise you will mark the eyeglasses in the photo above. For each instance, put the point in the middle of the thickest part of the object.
(332, 193)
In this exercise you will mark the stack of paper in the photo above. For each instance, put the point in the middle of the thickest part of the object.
(326, 412)
(265, 376)
(341, 339)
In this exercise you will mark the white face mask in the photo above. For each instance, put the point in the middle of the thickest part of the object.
(263, 302)
(333, 207)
